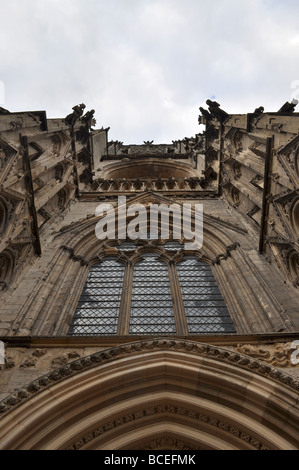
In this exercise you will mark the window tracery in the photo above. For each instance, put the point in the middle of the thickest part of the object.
(150, 287)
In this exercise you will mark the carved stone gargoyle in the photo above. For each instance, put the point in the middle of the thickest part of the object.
(216, 111)
(259, 110)
(73, 117)
(205, 113)
(88, 119)
(87, 122)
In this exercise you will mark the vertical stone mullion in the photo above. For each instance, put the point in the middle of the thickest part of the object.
(178, 304)
(125, 303)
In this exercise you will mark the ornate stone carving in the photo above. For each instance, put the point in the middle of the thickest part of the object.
(88, 119)
(75, 257)
(64, 359)
(199, 349)
(33, 359)
(204, 114)
(227, 253)
(73, 117)
(259, 110)
(166, 443)
(168, 410)
(277, 355)
(9, 362)
(158, 185)
(216, 111)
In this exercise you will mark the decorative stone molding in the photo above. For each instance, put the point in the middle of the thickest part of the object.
(278, 355)
(64, 359)
(75, 257)
(140, 185)
(33, 359)
(9, 362)
(227, 253)
(166, 443)
(168, 410)
(194, 348)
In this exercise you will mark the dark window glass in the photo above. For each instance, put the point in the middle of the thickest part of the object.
(151, 307)
(98, 308)
(151, 302)
(204, 306)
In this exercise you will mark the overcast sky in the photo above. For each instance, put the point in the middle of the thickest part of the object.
(146, 66)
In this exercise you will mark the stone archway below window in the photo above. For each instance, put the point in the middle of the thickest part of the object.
(173, 393)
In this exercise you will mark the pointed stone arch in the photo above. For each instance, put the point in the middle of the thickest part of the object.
(173, 393)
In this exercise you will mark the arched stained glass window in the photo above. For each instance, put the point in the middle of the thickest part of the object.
(98, 308)
(151, 305)
(204, 306)
(142, 292)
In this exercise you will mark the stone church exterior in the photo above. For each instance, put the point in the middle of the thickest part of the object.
(126, 343)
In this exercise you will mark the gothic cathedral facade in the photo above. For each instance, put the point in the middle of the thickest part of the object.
(137, 342)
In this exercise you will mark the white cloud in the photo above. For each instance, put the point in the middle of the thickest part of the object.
(147, 65)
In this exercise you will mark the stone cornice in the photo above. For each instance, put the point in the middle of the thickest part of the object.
(114, 341)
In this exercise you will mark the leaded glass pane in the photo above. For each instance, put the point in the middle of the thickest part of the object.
(127, 247)
(98, 308)
(205, 309)
(151, 307)
(173, 246)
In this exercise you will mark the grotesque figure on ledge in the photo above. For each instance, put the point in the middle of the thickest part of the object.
(72, 118)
